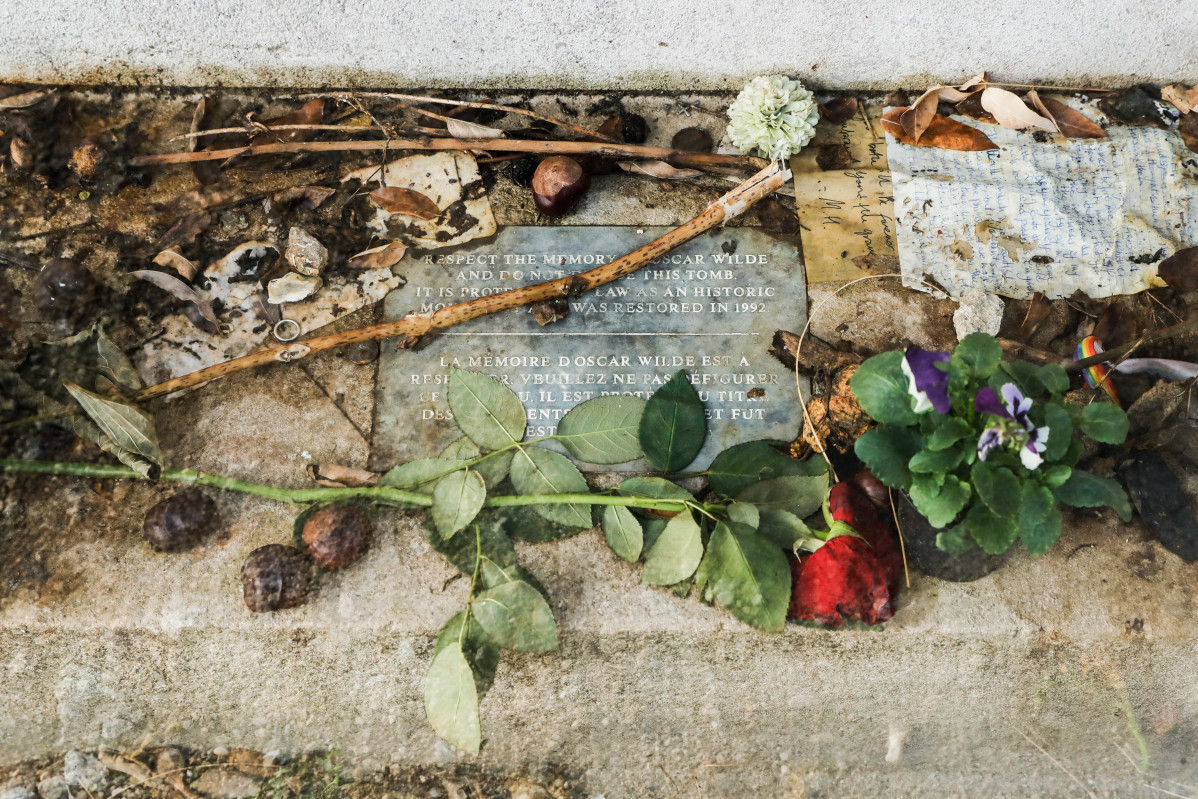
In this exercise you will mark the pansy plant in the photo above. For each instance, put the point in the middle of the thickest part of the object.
(985, 449)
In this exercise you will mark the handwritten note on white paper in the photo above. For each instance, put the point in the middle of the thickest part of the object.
(1058, 216)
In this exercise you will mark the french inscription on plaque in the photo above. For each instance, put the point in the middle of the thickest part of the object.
(709, 307)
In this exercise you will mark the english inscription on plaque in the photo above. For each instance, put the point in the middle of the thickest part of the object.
(709, 307)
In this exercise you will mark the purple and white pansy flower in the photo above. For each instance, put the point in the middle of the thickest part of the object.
(1012, 407)
(928, 384)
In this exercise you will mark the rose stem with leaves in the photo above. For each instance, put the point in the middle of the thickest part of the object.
(416, 325)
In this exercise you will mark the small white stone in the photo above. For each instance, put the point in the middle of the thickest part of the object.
(291, 288)
(305, 253)
(979, 312)
(19, 792)
(84, 771)
(52, 788)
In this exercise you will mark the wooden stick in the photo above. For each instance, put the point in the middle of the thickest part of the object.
(255, 129)
(667, 154)
(415, 325)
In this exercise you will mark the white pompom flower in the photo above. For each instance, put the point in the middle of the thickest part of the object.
(773, 116)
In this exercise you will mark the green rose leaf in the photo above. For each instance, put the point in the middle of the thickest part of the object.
(491, 537)
(457, 499)
(652, 527)
(525, 524)
(652, 488)
(979, 352)
(1105, 422)
(486, 410)
(1060, 431)
(801, 496)
(994, 534)
(421, 475)
(881, 387)
(1085, 490)
(998, 487)
(673, 425)
(536, 470)
(451, 699)
(481, 654)
(676, 553)
(1039, 519)
(737, 467)
(493, 469)
(939, 504)
(516, 616)
(744, 513)
(782, 527)
(887, 451)
(623, 532)
(603, 429)
(949, 431)
(749, 576)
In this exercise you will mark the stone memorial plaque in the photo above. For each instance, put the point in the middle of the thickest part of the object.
(709, 307)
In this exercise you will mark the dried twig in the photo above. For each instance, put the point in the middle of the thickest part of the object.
(258, 127)
(415, 326)
(667, 154)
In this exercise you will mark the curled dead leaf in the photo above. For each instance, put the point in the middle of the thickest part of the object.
(461, 129)
(174, 259)
(404, 202)
(919, 115)
(1037, 311)
(971, 106)
(1183, 99)
(1009, 110)
(1070, 122)
(980, 79)
(657, 169)
(384, 257)
(179, 289)
(943, 132)
(25, 99)
(1187, 127)
(334, 475)
(838, 111)
(1180, 270)
(20, 153)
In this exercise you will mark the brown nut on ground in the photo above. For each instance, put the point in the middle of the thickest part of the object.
(274, 577)
(337, 535)
(180, 521)
(557, 184)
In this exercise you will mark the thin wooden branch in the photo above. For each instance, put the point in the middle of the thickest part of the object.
(255, 129)
(1148, 338)
(469, 104)
(416, 325)
(667, 154)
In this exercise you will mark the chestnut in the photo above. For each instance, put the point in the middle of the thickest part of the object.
(557, 184)
(274, 577)
(63, 288)
(180, 521)
(694, 140)
(337, 535)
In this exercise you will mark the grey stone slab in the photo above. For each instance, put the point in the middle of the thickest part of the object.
(709, 307)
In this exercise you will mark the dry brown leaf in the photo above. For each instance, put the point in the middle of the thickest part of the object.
(383, 257)
(980, 79)
(334, 475)
(1071, 123)
(919, 115)
(310, 113)
(197, 119)
(944, 133)
(461, 129)
(1010, 111)
(1180, 270)
(1183, 99)
(404, 202)
(838, 111)
(971, 107)
(657, 169)
(179, 289)
(25, 99)
(174, 259)
(948, 94)
(1037, 311)
(1187, 126)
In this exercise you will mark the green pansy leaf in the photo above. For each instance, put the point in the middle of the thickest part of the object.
(955, 540)
(130, 428)
(980, 352)
(749, 576)
(737, 467)
(421, 475)
(1105, 422)
(536, 470)
(1039, 519)
(1085, 490)
(1025, 375)
(603, 429)
(623, 532)
(801, 496)
(744, 513)
(940, 504)
(676, 553)
(949, 431)
(782, 527)
(1060, 431)
(486, 410)
(451, 699)
(481, 654)
(931, 461)
(887, 451)
(882, 389)
(516, 616)
(1053, 476)
(998, 487)
(674, 425)
(994, 534)
(457, 499)
(1054, 378)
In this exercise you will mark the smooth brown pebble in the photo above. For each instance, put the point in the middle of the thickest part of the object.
(337, 535)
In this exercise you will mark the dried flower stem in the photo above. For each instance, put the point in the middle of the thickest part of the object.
(667, 154)
(416, 325)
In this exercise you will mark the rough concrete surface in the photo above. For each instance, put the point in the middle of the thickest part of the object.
(627, 45)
